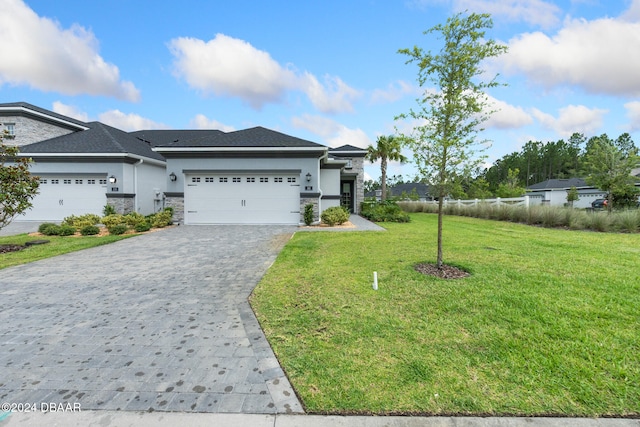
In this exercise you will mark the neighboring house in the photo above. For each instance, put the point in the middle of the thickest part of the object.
(400, 190)
(208, 176)
(554, 192)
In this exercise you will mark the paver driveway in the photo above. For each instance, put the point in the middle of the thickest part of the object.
(156, 322)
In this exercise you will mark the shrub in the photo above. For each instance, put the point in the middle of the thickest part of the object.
(67, 230)
(308, 213)
(628, 221)
(552, 217)
(108, 210)
(81, 221)
(387, 211)
(113, 220)
(89, 230)
(335, 215)
(44, 226)
(161, 219)
(142, 227)
(134, 218)
(598, 221)
(52, 230)
(118, 229)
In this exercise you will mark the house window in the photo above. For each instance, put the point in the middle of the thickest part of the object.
(291, 179)
(91, 181)
(209, 179)
(277, 179)
(103, 182)
(237, 179)
(223, 179)
(11, 129)
(43, 181)
(67, 181)
(78, 181)
(348, 165)
(195, 179)
(55, 181)
(264, 179)
(251, 179)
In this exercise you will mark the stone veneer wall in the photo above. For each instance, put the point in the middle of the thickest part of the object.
(28, 131)
(122, 205)
(357, 164)
(315, 201)
(177, 203)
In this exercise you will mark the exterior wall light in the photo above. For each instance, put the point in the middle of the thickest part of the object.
(308, 177)
(173, 177)
(112, 179)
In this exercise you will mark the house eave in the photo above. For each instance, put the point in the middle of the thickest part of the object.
(26, 111)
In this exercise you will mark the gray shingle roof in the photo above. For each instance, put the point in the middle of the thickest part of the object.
(253, 137)
(559, 184)
(347, 148)
(98, 139)
(164, 137)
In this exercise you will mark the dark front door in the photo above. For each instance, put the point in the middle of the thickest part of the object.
(346, 195)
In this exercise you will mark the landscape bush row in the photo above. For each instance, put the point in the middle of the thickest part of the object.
(387, 211)
(116, 224)
(626, 221)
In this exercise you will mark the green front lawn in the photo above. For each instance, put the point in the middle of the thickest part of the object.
(57, 246)
(548, 323)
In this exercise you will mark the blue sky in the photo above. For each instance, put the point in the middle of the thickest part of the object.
(327, 71)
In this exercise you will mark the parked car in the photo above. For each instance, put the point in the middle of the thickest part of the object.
(599, 204)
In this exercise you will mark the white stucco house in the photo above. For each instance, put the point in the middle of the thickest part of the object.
(252, 176)
(554, 191)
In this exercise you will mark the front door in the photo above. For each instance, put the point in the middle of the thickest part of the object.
(346, 195)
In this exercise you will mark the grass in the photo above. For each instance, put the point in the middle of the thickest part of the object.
(57, 246)
(546, 325)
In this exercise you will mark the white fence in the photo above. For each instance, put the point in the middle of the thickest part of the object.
(529, 200)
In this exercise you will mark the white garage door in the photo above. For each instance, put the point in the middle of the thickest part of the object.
(248, 198)
(64, 195)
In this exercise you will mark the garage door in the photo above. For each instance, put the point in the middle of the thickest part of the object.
(64, 195)
(234, 198)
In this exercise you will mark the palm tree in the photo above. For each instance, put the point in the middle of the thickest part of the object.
(387, 148)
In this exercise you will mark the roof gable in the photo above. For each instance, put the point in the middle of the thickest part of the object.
(24, 108)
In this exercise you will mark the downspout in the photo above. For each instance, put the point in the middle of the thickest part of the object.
(325, 156)
(135, 184)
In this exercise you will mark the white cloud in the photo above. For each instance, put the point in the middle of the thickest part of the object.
(39, 53)
(594, 55)
(394, 92)
(334, 133)
(200, 121)
(506, 116)
(334, 96)
(226, 66)
(633, 113)
(129, 122)
(70, 111)
(534, 12)
(573, 118)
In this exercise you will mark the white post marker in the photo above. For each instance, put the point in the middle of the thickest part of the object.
(375, 280)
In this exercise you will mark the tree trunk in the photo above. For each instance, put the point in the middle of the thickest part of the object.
(383, 178)
(440, 214)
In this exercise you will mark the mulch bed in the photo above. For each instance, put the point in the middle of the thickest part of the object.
(10, 248)
(446, 272)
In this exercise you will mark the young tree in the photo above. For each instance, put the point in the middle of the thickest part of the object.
(17, 186)
(609, 164)
(511, 187)
(444, 142)
(387, 148)
(572, 196)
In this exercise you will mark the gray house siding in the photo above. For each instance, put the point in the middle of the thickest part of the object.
(28, 130)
